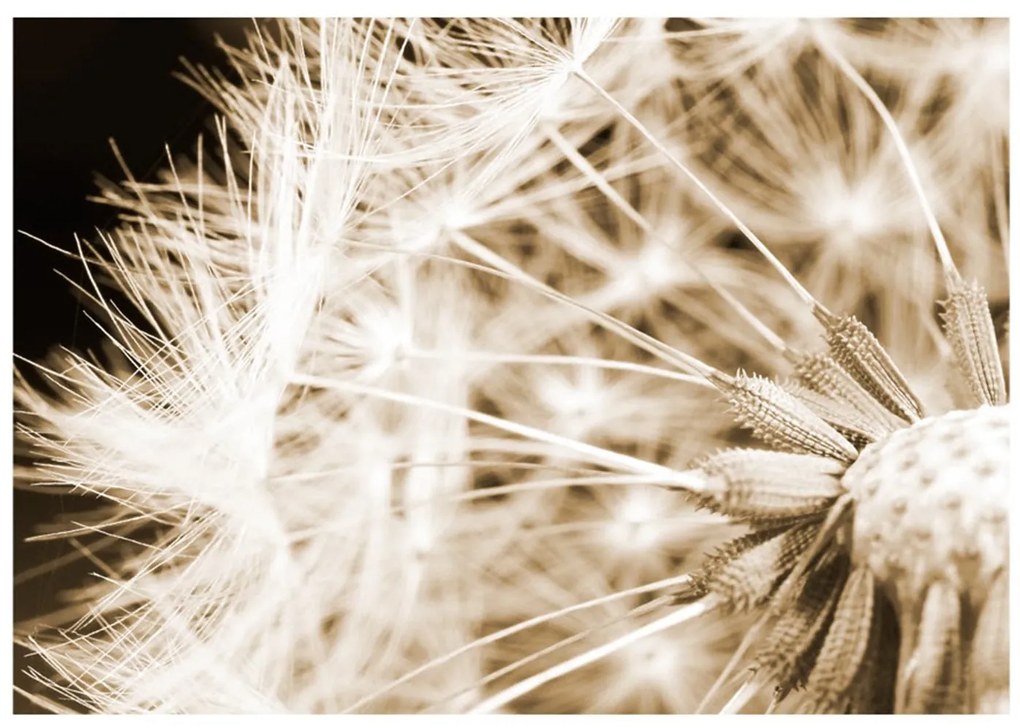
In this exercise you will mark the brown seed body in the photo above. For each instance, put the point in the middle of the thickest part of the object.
(777, 417)
(845, 647)
(764, 484)
(933, 679)
(858, 352)
(989, 657)
(970, 331)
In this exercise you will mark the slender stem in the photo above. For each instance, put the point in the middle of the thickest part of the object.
(551, 484)
(771, 337)
(501, 358)
(596, 454)
(574, 637)
(602, 184)
(640, 339)
(801, 292)
(740, 698)
(597, 179)
(901, 147)
(674, 581)
(680, 616)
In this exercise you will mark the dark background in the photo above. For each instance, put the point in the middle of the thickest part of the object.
(78, 83)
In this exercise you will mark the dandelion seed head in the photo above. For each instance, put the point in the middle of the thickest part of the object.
(979, 66)
(931, 502)
(988, 56)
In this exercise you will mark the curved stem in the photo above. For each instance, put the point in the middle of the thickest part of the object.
(790, 279)
(865, 88)
(514, 629)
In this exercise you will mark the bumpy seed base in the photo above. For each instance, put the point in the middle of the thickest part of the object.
(932, 502)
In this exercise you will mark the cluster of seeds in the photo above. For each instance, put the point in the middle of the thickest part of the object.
(881, 555)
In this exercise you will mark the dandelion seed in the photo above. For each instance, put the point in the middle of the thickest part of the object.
(769, 484)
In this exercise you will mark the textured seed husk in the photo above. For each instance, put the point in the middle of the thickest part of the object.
(801, 669)
(777, 417)
(859, 430)
(749, 576)
(874, 689)
(989, 658)
(793, 644)
(732, 549)
(701, 580)
(858, 352)
(820, 373)
(828, 528)
(933, 679)
(846, 644)
(968, 325)
(766, 484)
